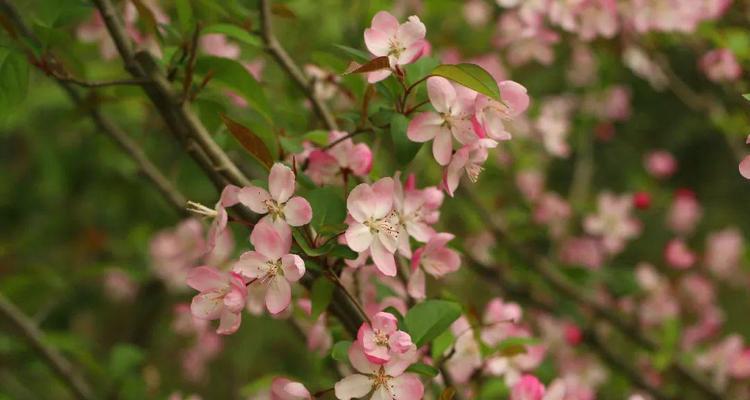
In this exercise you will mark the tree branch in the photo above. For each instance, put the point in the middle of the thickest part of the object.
(35, 338)
(274, 47)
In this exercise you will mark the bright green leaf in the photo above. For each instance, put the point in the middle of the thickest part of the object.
(184, 15)
(427, 320)
(340, 351)
(470, 75)
(423, 369)
(321, 295)
(328, 207)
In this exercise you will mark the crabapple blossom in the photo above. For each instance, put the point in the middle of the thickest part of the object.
(433, 258)
(720, 65)
(724, 250)
(270, 265)
(374, 224)
(684, 213)
(402, 44)
(277, 201)
(417, 210)
(678, 255)
(327, 167)
(584, 251)
(228, 198)
(385, 381)
(660, 164)
(382, 339)
(468, 158)
(527, 388)
(553, 123)
(491, 114)
(613, 222)
(467, 355)
(216, 44)
(454, 110)
(222, 296)
(285, 389)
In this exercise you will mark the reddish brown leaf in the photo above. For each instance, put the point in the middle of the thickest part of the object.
(375, 64)
(249, 140)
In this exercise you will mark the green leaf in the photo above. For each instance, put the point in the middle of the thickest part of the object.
(340, 351)
(184, 15)
(358, 55)
(341, 251)
(514, 345)
(404, 148)
(124, 359)
(427, 320)
(235, 32)
(441, 344)
(234, 76)
(14, 78)
(321, 295)
(746, 96)
(470, 75)
(313, 251)
(327, 206)
(249, 140)
(423, 369)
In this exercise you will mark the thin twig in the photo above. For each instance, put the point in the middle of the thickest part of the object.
(98, 84)
(274, 47)
(349, 136)
(35, 337)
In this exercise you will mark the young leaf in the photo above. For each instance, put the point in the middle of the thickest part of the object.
(321, 294)
(235, 32)
(250, 141)
(234, 76)
(375, 64)
(404, 148)
(515, 345)
(470, 75)
(746, 96)
(328, 207)
(423, 369)
(340, 351)
(427, 320)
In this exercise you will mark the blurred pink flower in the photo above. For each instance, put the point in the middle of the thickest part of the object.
(720, 65)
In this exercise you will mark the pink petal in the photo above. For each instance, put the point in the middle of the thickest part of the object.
(361, 202)
(442, 94)
(416, 284)
(229, 323)
(296, 390)
(271, 240)
(377, 76)
(401, 361)
(385, 22)
(205, 278)
(514, 95)
(420, 231)
(360, 159)
(293, 267)
(254, 198)
(412, 52)
(377, 42)
(382, 258)
(207, 305)
(745, 167)
(382, 191)
(252, 264)
(406, 387)
(442, 147)
(352, 387)
(279, 295)
(358, 237)
(385, 322)
(297, 211)
(359, 361)
(425, 126)
(235, 300)
(281, 182)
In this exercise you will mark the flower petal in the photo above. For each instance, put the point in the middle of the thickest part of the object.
(293, 267)
(281, 182)
(297, 211)
(377, 42)
(406, 387)
(382, 197)
(442, 94)
(352, 387)
(206, 278)
(416, 285)
(359, 361)
(229, 323)
(279, 295)
(514, 95)
(745, 167)
(385, 22)
(358, 237)
(207, 305)
(425, 126)
(442, 147)
(361, 202)
(252, 264)
(383, 259)
(270, 239)
(254, 198)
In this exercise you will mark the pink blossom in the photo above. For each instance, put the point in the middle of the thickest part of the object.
(222, 296)
(216, 44)
(553, 211)
(382, 340)
(385, 381)
(527, 388)
(285, 389)
(467, 356)
(228, 198)
(554, 124)
(530, 183)
(402, 44)
(491, 114)
(119, 286)
(684, 213)
(724, 250)
(525, 38)
(277, 201)
(642, 200)
(477, 12)
(454, 106)
(325, 83)
(720, 65)
(417, 210)
(271, 265)
(327, 167)
(613, 222)
(175, 251)
(660, 164)
(583, 68)
(433, 258)
(744, 167)
(468, 158)
(375, 224)
(678, 255)
(584, 251)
